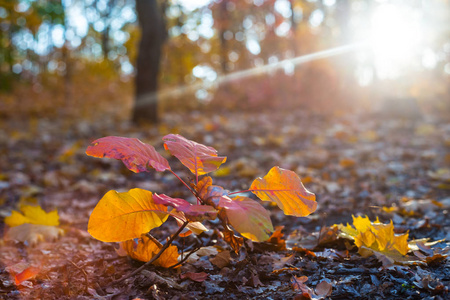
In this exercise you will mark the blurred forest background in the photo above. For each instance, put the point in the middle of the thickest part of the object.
(78, 59)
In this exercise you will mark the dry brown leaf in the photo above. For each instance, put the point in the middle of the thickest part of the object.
(222, 259)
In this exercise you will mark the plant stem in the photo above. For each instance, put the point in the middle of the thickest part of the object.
(154, 240)
(186, 185)
(169, 242)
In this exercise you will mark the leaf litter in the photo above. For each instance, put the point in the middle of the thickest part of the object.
(355, 166)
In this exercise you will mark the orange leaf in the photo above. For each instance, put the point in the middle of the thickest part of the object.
(137, 156)
(123, 216)
(198, 158)
(145, 249)
(277, 238)
(234, 241)
(285, 188)
(202, 187)
(26, 274)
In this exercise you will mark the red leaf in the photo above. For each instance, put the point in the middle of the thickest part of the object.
(192, 212)
(137, 156)
(198, 158)
(26, 274)
(199, 277)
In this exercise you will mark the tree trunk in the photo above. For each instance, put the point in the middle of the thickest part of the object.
(151, 21)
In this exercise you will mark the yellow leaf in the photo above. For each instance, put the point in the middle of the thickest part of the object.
(146, 249)
(32, 215)
(364, 238)
(285, 188)
(376, 237)
(401, 243)
(361, 223)
(168, 258)
(124, 216)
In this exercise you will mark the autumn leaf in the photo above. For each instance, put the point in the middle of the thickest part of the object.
(145, 249)
(234, 241)
(192, 212)
(28, 273)
(124, 216)
(214, 194)
(198, 277)
(248, 217)
(32, 215)
(198, 158)
(222, 259)
(33, 233)
(195, 227)
(378, 238)
(137, 156)
(285, 188)
(202, 187)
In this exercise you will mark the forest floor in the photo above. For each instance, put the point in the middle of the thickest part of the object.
(392, 169)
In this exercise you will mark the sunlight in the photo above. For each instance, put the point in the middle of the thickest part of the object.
(395, 37)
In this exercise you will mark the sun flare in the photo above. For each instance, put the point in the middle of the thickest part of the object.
(395, 37)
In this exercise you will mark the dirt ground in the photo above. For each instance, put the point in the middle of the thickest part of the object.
(390, 168)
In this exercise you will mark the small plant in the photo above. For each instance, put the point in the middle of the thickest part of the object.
(122, 217)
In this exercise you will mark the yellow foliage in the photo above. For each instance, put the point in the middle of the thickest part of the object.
(32, 215)
(146, 249)
(285, 188)
(376, 236)
(124, 216)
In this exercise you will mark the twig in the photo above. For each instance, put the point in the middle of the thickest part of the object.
(187, 256)
(169, 242)
(86, 280)
(154, 240)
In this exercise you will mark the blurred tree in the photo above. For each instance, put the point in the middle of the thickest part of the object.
(153, 34)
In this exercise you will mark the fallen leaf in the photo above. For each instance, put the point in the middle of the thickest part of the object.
(32, 215)
(285, 188)
(222, 259)
(234, 241)
(198, 277)
(28, 273)
(198, 158)
(283, 261)
(137, 156)
(379, 239)
(145, 249)
(277, 238)
(323, 289)
(124, 216)
(32, 233)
